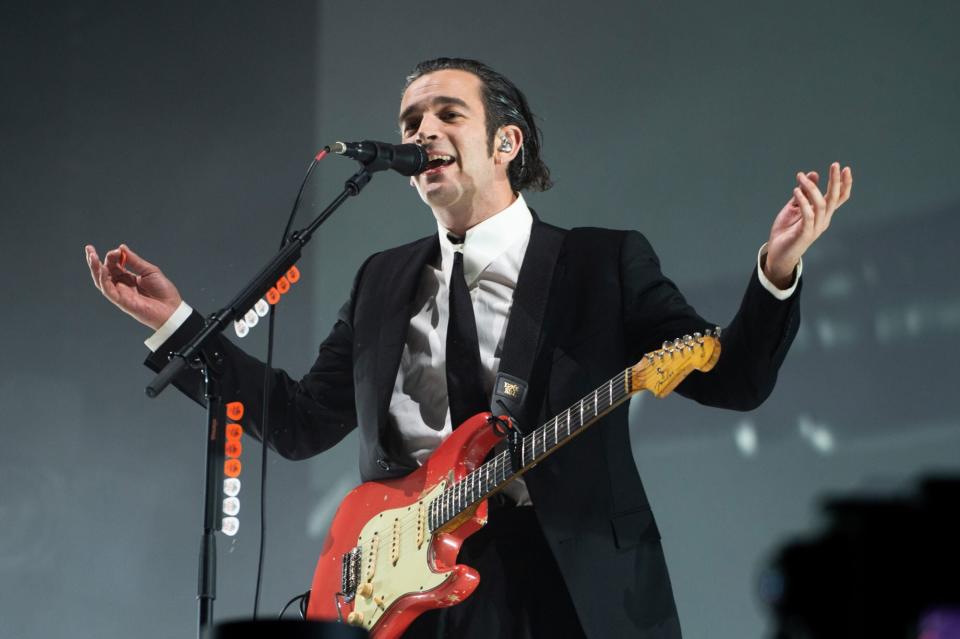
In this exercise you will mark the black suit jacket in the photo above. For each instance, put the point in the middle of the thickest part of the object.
(608, 304)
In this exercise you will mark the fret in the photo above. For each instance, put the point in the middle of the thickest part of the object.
(611, 393)
(569, 420)
(595, 411)
(581, 412)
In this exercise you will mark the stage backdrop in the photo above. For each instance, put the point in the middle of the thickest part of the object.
(184, 131)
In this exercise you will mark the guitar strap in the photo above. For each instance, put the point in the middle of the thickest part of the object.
(524, 327)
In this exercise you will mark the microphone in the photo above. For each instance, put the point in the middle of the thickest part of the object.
(405, 159)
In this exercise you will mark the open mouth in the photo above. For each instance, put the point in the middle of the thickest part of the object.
(438, 161)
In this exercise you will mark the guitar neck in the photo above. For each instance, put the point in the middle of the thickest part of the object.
(497, 472)
(659, 372)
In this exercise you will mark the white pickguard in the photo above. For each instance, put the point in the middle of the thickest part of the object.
(412, 572)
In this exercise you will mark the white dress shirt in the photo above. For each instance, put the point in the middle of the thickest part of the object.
(492, 255)
(493, 252)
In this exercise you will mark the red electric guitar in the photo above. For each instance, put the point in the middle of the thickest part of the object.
(391, 552)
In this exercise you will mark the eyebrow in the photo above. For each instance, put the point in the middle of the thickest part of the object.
(438, 100)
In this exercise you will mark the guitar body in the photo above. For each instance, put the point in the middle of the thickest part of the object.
(381, 540)
(391, 553)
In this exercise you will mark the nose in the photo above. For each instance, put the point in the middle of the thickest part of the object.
(428, 131)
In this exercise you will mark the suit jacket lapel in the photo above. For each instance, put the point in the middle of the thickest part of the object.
(399, 291)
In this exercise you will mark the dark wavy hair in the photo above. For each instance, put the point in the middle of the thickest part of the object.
(503, 104)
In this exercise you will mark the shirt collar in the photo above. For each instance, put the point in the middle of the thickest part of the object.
(486, 241)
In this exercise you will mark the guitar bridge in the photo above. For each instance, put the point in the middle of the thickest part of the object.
(350, 573)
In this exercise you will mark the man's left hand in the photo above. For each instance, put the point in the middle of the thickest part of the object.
(802, 220)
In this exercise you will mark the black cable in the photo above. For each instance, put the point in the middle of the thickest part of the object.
(267, 379)
(302, 597)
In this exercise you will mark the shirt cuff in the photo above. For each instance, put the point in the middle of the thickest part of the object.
(780, 294)
(169, 327)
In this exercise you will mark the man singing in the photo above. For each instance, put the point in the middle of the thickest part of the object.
(572, 550)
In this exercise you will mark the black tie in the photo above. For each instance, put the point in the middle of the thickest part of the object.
(464, 374)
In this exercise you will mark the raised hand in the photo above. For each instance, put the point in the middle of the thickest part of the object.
(134, 285)
(802, 220)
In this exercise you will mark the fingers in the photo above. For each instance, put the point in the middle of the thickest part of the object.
(114, 261)
(846, 177)
(110, 274)
(838, 189)
(93, 263)
(815, 199)
(805, 207)
(136, 263)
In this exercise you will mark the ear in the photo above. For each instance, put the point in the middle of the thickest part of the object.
(412, 182)
(507, 143)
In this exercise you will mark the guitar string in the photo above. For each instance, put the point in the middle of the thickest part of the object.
(501, 467)
(462, 489)
(572, 426)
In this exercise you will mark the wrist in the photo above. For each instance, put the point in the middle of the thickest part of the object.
(779, 275)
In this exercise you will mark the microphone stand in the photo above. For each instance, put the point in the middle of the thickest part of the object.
(193, 356)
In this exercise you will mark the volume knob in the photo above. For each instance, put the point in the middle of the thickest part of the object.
(365, 590)
(355, 618)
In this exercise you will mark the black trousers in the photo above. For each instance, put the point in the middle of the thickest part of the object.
(521, 593)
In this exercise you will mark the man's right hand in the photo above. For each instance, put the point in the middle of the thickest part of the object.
(134, 285)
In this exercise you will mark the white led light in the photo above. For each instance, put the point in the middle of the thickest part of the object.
(251, 318)
(229, 526)
(241, 328)
(262, 307)
(231, 486)
(231, 506)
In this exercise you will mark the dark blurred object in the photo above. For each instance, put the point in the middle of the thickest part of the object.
(278, 629)
(882, 566)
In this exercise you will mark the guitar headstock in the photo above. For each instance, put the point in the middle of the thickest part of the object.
(660, 371)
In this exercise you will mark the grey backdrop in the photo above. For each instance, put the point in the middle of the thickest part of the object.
(184, 131)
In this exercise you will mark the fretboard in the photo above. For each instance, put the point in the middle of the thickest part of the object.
(498, 471)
